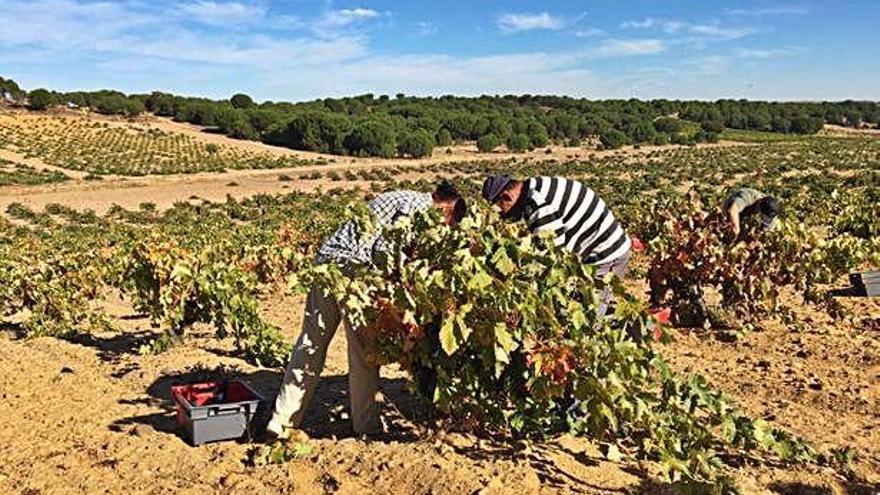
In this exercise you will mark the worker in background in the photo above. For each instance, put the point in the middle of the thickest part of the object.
(745, 205)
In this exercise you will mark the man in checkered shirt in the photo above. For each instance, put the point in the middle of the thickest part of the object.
(322, 314)
(346, 246)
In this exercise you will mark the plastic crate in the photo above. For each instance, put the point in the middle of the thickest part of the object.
(866, 283)
(215, 411)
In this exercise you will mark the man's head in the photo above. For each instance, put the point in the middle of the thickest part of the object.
(770, 208)
(503, 191)
(449, 202)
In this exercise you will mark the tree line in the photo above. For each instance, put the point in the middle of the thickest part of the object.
(402, 125)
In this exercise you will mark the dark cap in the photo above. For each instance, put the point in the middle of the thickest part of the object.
(494, 185)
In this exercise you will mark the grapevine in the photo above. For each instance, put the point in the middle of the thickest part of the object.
(518, 340)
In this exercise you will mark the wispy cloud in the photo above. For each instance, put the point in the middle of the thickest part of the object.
(334, 22)
(589, 33)
(515, 23)
(667, 26)
(618, 47)
(768, 53)
(707, 31)
(721, 33)
(222, 14)
(66, 24)
(780, 10)
(345, 17)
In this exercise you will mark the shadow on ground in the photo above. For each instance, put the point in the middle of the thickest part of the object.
(327, 416)
(111, 349)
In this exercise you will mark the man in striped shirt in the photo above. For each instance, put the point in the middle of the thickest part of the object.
(322, 314)
(578, 218)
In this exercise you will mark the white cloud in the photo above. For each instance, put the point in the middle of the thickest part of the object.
(643, 24)
(767, 53)
(589, 33)
(781, 10)
(624, 48)
(699, 32)
(514, 23)
(66, 24)
(334, 22)
(222, 14)
(102, 29)
(715, 31)
(345, 17)
(666, 26)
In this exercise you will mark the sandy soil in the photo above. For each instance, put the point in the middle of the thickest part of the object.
(91, 415)
(839, 130)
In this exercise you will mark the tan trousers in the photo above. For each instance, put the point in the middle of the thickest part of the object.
(322, 317)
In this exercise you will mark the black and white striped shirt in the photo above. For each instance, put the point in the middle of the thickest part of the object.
(579, 219)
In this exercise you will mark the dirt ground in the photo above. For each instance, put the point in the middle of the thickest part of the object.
(92, 415)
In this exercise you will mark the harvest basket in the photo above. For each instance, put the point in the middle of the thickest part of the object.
(215, 411)
(866, 283)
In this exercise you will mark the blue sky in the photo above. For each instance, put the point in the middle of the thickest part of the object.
(297, 49)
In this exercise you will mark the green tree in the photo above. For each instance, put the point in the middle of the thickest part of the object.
(668, 125)
(371, 138)
(241, 101)
(416, 144)
(641, 131)
(444, 138)
(133, 107)
(519, 142)
(538, 134)
(712, 126)
(240, 128)
(488, 143)
(318, 131)
(161, 104)
(500, 127)
(804, 124)
(11, 88)
(41, 99)
(613, 139)
(780, 124)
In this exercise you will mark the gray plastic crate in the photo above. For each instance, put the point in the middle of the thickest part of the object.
(215, 411)
(866, 283)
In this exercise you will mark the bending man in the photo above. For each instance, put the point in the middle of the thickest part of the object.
(322, 315)
(745, 204)
(579, 219)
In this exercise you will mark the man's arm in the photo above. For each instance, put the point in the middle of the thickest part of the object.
(733, 213)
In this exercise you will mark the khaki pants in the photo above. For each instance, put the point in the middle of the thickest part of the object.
(322, 317)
